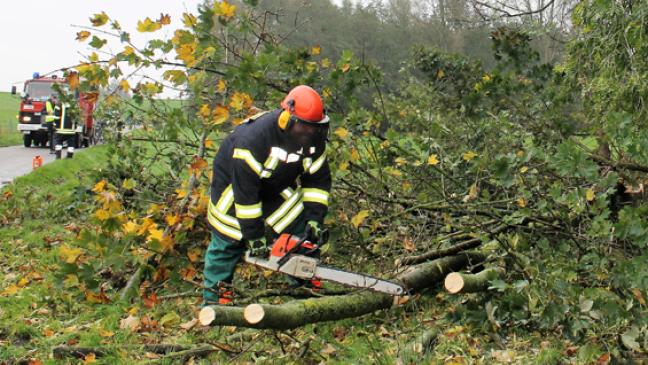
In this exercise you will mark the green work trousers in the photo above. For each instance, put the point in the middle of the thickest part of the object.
(222, 256)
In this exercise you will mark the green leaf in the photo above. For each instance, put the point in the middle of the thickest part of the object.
(629, 338)
(97, 42)
(170, 319)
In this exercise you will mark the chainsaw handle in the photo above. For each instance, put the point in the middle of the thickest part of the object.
(296, 247)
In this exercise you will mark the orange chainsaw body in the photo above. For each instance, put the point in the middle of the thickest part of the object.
(285, 243)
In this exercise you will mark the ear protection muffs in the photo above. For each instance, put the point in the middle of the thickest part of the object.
(286, 119)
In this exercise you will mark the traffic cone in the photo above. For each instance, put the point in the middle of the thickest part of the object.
(57, 150)
(37, 162)
(70, 152)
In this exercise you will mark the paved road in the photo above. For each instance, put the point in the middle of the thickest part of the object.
(17, 161)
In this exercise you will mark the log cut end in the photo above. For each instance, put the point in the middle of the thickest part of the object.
(454, 282)
(254, 313)
(206, 316)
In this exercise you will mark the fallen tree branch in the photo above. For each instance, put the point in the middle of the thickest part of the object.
(453, 250)
(60, 352)
(470, 283)
(298, 313)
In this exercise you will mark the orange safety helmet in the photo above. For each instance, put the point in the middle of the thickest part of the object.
(304, 104)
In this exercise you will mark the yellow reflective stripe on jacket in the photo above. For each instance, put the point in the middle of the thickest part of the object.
(284, 208)
(289, 218)
(287, 192)
(307, 162)
(316, 196)
(246, 156)
(223, 217)
(218, 218)
(248, 211)
(317, 164)
(225, 229)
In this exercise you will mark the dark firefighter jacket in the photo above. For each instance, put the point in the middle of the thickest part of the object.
(64, 121)
(261, 177)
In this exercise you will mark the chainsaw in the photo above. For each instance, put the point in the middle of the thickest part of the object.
(299, 258)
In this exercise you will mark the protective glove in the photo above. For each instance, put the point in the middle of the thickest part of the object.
(313, 232)
(258, 247)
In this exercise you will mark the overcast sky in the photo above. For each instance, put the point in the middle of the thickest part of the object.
(38, 36)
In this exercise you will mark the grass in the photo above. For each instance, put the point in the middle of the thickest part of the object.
(9, 105)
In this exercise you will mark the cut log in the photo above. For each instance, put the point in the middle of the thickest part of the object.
(301, 312)
(469, 283)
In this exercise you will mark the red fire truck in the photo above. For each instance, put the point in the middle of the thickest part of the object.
(31, 117)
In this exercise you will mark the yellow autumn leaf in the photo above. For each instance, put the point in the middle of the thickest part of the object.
(400, 161)
(124, 85)
(147, 25)
(589, 194)
(102, 214)
(521, 202)
(165, 19)
(128, 50)
(221, 114)
(467, 156)
(346, 67)
(155, 234)
(130, 227)
(316, 50)
(440, 74)
(82, 35)
(10, 290)
(359, 218)
(355, 156)
(99, 187)
(172, 219)
(154, 208)
(433, 160)
(128, 184)
(344, 166)
(90, 358)
(106, 333)
(240, 101)
(326, 63)
(204, 111)
(194, 254)
(341, 132)
(222, 86)
(209, 143)
(524, 169)
(69, 254)
(189, 20)
(73, 80)
(224, 9)
(100, 19)
(23, 282)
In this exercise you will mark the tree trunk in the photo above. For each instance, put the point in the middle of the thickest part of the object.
(301, 312)
(469, 283)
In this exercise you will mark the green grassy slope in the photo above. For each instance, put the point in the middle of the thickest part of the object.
(9, 105)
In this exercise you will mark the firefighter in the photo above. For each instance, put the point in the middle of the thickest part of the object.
(65, 125)
(270, 174)
(50, 118)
